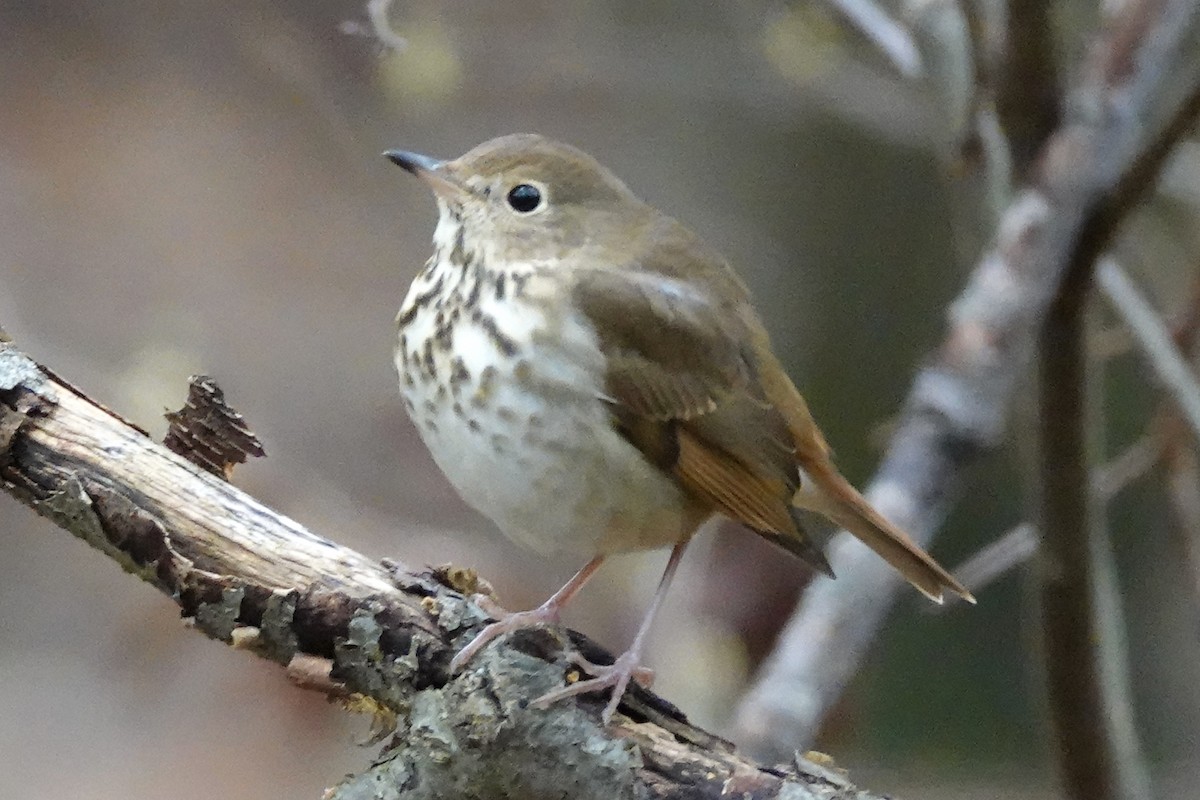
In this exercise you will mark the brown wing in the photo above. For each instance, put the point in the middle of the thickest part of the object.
(695, 387)
(684, 380)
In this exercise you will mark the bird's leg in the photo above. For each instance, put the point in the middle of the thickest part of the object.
(545, 614)
(627, 666)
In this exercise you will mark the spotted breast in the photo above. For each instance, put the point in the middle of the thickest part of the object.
(505, 387)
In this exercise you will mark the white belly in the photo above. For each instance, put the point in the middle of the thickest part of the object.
(525, 436)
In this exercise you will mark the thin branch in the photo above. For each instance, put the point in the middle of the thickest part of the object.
(379, 13)
(379, 16)
(1186, 326)
(997, 159)
(1012, 549)
(1154, 338)
(1130, 464)
(1082, 629)
(985, 20)
(1160, 440)
(1183, 484)
(1178, 446)
(1099, 161)
(885, 32)
(1020, 544)
(1182, 462)
(1027, 89)
(378, 635)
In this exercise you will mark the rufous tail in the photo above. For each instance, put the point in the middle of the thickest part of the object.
(832, 495)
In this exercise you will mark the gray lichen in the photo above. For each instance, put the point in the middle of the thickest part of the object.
(476, 737)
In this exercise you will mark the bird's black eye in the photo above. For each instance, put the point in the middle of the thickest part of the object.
(524, 198)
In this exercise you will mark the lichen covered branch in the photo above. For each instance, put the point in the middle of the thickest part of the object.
(377, 635)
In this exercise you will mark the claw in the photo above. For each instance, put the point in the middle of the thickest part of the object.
(508, 622)
(615, 676)
(642, 676)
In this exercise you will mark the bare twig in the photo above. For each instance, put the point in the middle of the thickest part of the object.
(1013, 548)
(997, 159)
(1137, 459)
(1182, 462)
(1154, 338)
(1175, 342)
(1183, 483)
(1186, 326)
(885, 32)
(1130, 464)
(381, 636)
(1099, 161)
(379, 12)
(1027, 87)
(1020, 544)
(1082, 629)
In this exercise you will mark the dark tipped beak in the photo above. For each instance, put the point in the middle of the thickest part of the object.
(412, 162)
(433, 172)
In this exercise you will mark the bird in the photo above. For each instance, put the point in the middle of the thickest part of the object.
(593, 377)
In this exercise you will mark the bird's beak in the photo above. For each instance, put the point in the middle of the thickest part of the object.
(436, 175)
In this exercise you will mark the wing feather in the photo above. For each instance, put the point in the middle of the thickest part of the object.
(680, 366)
(694, 386)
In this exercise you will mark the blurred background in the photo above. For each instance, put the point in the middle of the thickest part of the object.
(186, 188)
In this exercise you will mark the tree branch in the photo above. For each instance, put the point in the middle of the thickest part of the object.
(358, 629)
(1183, 486)
(1096, 165)
(1027, 88)
(887, 33)
(1082, 630)
(1155, 340)
(379, 11)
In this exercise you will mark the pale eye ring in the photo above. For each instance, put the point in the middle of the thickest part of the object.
(524, 198)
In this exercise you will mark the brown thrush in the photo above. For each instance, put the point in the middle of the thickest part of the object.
(593, 377)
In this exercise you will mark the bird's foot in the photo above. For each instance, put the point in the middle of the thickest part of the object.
(615, 676)
(507, 622)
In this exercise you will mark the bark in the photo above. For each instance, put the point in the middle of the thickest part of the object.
(377, 635)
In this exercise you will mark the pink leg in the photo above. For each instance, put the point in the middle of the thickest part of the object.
(545, 614)
(626, 667)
